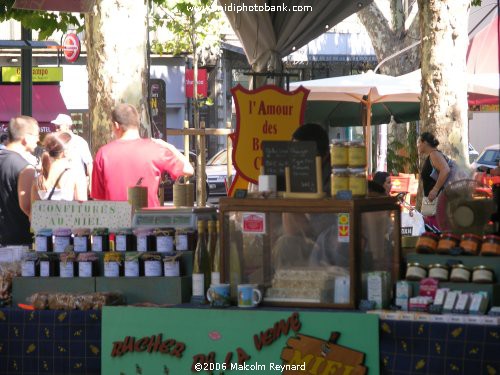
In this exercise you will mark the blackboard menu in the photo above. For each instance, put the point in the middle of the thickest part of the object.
(299, 156)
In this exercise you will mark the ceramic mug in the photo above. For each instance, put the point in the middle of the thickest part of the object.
(248, 295)
(219, 295)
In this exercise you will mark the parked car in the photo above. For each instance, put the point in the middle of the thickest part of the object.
(488, 158)
(217, 173)
(473, 154)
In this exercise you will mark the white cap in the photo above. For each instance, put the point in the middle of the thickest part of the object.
(62, 119)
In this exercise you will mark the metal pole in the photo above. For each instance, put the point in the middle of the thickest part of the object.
(26, 74)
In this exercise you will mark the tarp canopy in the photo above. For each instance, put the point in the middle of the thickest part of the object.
(47, 104)
(275, 32)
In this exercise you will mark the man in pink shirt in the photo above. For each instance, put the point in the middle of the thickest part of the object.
(129, 158)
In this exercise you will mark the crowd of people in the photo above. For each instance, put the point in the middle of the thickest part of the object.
(64, 170)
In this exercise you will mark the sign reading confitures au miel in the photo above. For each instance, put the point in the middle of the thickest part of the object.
(183, 341)
(266, 114)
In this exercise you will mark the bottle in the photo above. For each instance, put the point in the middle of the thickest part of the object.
(201, 264)
(235, 263)
(211, 239)
(216, 257)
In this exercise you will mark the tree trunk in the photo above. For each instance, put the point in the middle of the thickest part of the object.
(443, 106)
(116, 41)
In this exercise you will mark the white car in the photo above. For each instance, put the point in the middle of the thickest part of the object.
(216, 170)
(488, 158)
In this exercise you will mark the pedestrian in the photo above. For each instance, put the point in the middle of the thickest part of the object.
(131, 160)
(58, 179)
(78, 150)
(4, 140)
(16, 178)
(383, 183)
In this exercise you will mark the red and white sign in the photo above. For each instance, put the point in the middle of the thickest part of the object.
(254, 223)
(202, 83)
(71, 47)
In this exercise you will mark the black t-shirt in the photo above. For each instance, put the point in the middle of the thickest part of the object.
(14, 224)
(427, 181)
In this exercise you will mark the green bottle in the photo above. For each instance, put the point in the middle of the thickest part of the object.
(201, 264)
(216, 256)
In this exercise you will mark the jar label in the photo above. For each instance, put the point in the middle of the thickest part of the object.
(164, 244)
(60, 243)
(66, 269)
(181, 242)
(97, 243)
(28, 268)
(131, 268)
(111, 269)
(152, 268)
(215, 278)
(85, 269)
(44, 269)
(41, 244)
(80, 244)
(198, 284)
(121, 242)
(142, 243)
(171, 268)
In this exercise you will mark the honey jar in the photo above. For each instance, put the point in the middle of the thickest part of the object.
(124, 240)
(415, 271)
(460, 273)
(43, 240)
(88, 265)
(28, 265)
(100, 240)
(171, 265)
(470, 243)
(340, 180)
(339, 154)
(146, 241)
(152, 264)
(491, 245)
(165, 240)
(81, 240)
(357, 182)
(67, 262)
(482, 275)
(427, 243)
(61, 239)
(113, 265)
(438, 271)
(185, 239)
(132, 266)
(47, 265)
(356, 154)
(447, 242)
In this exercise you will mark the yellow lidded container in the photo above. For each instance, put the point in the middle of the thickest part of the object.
(339, 155)
(356, 152)
(340, 180)
(357, 182)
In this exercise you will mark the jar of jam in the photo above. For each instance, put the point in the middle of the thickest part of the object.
(439, 271)
(185, 239)
(357, 182)
(28, 264)
(47, 265)
(61, 239)
(43, 240)
(152, 264)
(491, 245)
(67, 262)
(88, 264)
(460, 273)
(356, 153)
(113, 264)
(132, 266)
(339, 154)
(340, 180)
(81, 240)
(100, 240)
(427, 243)
(171, 265)
(483, 275)
(415, 271)
(124, 240)
(470, 243)
(165, 240)
(447, 242)
(146, 241)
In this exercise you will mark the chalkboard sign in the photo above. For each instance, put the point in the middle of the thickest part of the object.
(275, 155)
(302, 163)
(299, 156)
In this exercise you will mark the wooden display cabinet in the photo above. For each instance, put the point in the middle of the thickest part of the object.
(309, 252)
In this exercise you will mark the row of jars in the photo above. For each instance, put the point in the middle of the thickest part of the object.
(347, 154)
(458, 273)
(468, 243)
(70, 264)
(164, 240)
(354, 180)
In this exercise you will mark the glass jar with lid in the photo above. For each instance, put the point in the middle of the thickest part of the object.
(185, 239)
(339, 180)
(88, 264)
(133, 266)
(415, 271)
(165, 240)
(146, 240)
(427, 243)
(483, 275)
(100, 239)
(81, 240)
(439, 271)
(28, 265)
(43, 240)
(67, 262)
(356, 152)
(124, 240)
(460, 273)
(339, 157)
(171, 265)
(470, 243)
(153, 265)
(47, 264)
(447, 241)
(61, 239)
(491, 245)
(113, 264)
(357, 182)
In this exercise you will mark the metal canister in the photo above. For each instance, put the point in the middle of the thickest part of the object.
(339, 154)
(357, 182)
(356, 152)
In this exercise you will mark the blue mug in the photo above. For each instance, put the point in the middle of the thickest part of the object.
(219, 295)
(248, 295)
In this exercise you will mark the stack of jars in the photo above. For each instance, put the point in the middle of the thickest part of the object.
(348, 161)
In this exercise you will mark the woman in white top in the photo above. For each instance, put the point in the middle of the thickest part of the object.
(58, 180)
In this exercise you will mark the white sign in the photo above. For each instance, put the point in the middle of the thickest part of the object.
(91, 214)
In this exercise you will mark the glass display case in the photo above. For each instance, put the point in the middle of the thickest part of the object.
(310, 252)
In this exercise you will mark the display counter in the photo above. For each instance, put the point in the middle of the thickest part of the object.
(311, 252)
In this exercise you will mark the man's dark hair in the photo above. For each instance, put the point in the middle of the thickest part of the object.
(316, 133)
(126, 116)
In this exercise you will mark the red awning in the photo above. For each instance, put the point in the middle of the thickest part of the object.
(47, 104)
